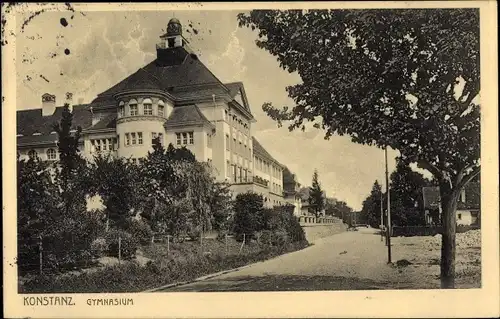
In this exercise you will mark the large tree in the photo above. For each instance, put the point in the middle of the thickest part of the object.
(316, 197)
(406, 196)
(72, 174)
(404, 79)
(371, 205)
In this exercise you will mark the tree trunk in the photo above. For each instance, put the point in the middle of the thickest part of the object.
(449, 198)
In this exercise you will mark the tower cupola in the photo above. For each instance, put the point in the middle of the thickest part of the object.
(174, 27)
(173, 38)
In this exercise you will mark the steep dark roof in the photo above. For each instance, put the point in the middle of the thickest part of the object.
(186, 115)
(32, 121)
(36, 139)
(141, 79)
(235, 88)
(108, 121)
(199, 92)
(261, 151)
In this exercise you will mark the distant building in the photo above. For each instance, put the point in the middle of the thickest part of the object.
(291, 188)
(468, 206)
(175, 98)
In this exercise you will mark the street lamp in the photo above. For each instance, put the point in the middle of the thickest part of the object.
(388, 209)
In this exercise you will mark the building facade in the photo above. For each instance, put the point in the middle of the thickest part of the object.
(175, 98)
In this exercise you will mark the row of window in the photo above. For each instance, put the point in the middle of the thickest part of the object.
(267, 168)
(51, 154)
(238, 147)
(238, 174)
(147, 109)
(236, 122)
(185, 138)
(104, 144)
(276, 188)
(134, 138)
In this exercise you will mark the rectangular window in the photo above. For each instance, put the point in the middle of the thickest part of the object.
(133, 109)
(148, 109)
(122, 111)
(178, 135)
(234, 173)
(246, 176)
(191, 138)
(127, 139)
(161, 110)
(209, 140)
(134, 140)
(184, 138)
(117, 141)
(153, 137)
(160, 137)
(139, 138)
(227, 142)
(459, 216)
(241, 175)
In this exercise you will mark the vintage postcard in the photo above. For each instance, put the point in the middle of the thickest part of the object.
(213, 160)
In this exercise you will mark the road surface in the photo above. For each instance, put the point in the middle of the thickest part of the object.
(346, 261)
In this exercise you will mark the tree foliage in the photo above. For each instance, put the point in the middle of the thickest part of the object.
(115, 180)
(407, 207)
(405, 79)
(249, 215)
(371, 205)
(316, 197)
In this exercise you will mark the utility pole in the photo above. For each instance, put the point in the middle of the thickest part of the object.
(381, 215)
(388, 209)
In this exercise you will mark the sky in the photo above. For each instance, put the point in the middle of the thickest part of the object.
(88, 53)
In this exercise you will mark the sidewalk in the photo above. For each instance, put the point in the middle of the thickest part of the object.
(346, 261)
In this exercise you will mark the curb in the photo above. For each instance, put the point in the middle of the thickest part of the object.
(182, 283)
(223, 272)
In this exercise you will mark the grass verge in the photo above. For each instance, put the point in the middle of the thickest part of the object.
(183, 263)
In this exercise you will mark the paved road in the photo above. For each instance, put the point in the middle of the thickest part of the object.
(346, 261)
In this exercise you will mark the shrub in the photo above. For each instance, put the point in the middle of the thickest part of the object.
(282, 219)
(99, 247)
(141, 231)
(123, 241)
(248, 217)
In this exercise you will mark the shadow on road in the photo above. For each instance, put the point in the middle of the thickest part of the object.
(286, 283)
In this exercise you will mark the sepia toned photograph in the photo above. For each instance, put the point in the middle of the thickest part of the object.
(211, 150)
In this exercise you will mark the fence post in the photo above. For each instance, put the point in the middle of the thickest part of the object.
(40, 249)
(119, 249)
(168, 245)
(227, 248)
(242, 244)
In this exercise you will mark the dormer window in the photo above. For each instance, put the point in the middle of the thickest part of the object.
(133, 109)
(51, 154)
(121, 109)
(161, 108)
(148, 109)
(32, 154)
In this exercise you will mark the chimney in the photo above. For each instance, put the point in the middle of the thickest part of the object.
(48, 104)
(69, 100)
